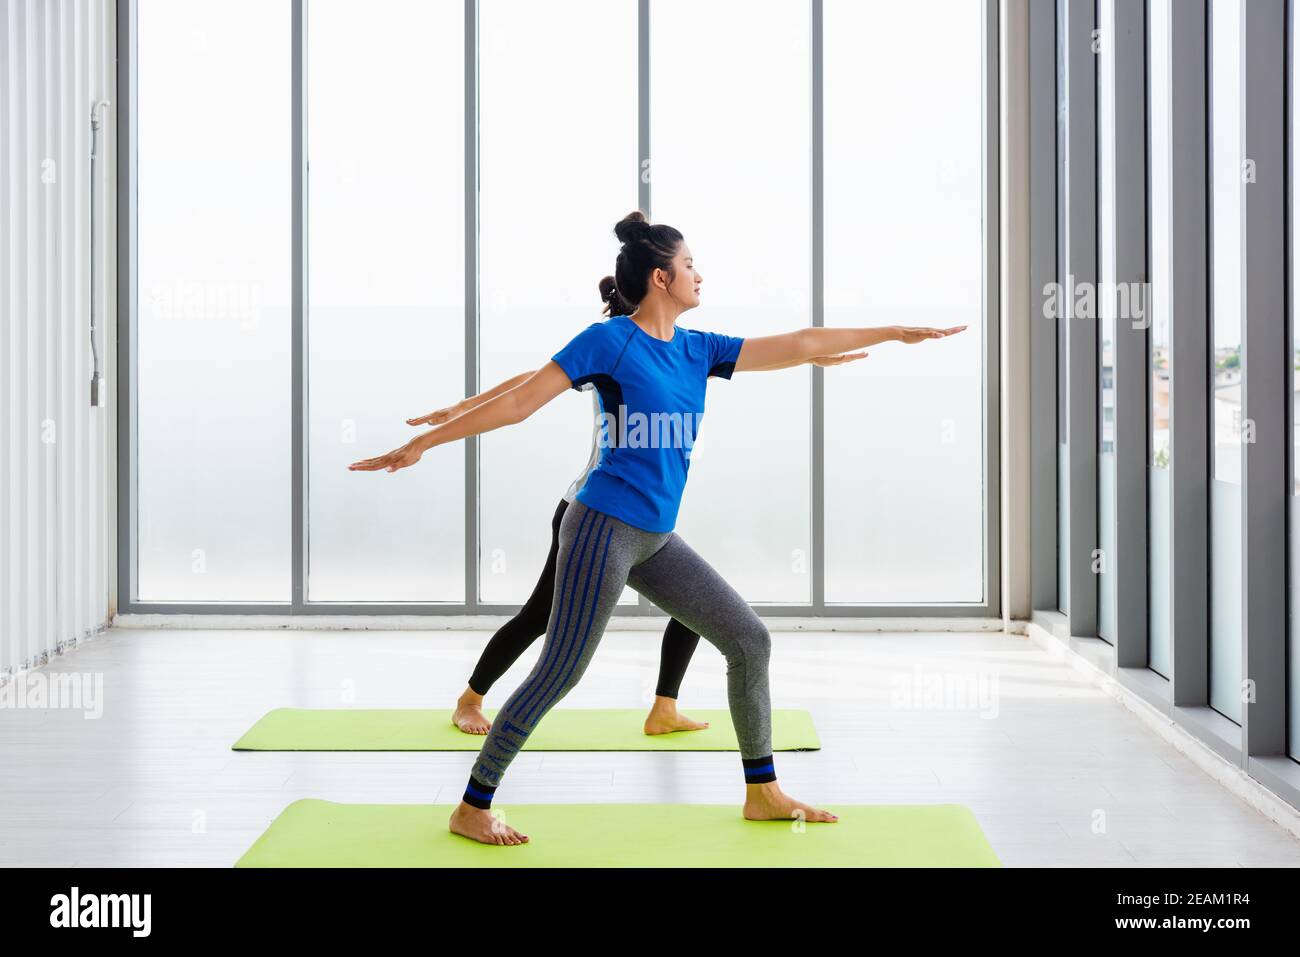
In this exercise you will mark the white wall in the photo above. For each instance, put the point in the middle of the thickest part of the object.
(57, 453)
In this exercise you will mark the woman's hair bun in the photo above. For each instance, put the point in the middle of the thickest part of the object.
(632, 227)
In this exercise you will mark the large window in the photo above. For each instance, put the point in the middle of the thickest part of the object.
(1227, 201)
(904, 428)
(557, 170)
(1227, 254)
(214, 271)
(1160, 368)
(386, 321)
(425, 261)
(1108, 305)
(716, 161)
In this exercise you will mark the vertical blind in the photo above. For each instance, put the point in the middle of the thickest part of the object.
(57, 485)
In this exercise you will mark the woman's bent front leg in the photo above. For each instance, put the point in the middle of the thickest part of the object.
(683, 584)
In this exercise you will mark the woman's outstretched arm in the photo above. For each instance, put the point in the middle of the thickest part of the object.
(508, 408)
(439, 416)
(823, 361)
(765, 352)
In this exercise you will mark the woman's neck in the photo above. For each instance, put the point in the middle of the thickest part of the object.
(655, 321)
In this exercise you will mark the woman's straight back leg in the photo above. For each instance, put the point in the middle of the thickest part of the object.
(596, 552)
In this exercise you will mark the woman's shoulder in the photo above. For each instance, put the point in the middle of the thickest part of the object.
(612, 324)
(604, 327)
(699, 335)
(593, 347)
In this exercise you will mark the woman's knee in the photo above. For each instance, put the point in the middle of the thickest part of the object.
(753, 641)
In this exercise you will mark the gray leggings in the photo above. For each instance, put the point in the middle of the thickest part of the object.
(598, 556)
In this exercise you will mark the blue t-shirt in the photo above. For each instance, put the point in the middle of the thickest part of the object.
(652, 399)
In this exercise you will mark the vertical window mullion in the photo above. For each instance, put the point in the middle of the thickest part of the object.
(818, 287)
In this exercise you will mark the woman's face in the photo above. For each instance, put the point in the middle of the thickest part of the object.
(685, 286)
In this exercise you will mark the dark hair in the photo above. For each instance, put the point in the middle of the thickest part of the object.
(646, 247)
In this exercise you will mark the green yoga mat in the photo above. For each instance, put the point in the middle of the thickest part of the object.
(564, 729)
(314, 833)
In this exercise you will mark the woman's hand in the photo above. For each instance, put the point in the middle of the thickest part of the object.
(438, 416)
(911, 334)
(473, 402)
(825, 361)
(508, 408)
(408, 454)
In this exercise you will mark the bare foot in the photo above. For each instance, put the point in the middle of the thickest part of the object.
(468, 715)
(664, 718)
(478, 824)
(767, 802)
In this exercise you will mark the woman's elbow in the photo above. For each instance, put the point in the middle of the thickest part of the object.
(520, 411)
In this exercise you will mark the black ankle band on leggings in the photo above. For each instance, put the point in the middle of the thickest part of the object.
(478, 794)
(759, 770)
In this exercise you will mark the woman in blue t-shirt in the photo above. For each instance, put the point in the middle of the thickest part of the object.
(513, 638)
(651, 376)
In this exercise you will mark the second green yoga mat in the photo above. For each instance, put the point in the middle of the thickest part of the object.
(315, 833)
(564, 729)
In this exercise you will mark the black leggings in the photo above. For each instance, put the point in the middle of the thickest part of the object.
(514, 637)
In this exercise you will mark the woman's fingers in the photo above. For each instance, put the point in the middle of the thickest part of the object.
(433, 418)
(370, 465)
(918, 333)
(408, 454)
(839, 359)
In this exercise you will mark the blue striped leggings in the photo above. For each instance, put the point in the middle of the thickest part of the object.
(598, 556)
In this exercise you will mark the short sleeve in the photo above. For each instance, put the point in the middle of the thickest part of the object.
(586, 355)
(724, 350)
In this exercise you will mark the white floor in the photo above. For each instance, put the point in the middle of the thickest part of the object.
(1057, 773)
